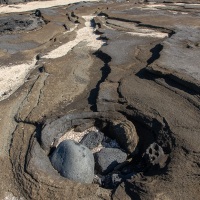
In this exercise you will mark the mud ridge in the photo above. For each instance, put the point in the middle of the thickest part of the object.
(139, 24)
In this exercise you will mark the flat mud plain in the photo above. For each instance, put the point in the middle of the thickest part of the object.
(91, 61)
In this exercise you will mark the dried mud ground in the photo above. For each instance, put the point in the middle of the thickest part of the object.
(84, 61)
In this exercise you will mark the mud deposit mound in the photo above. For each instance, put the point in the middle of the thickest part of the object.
(100, 100)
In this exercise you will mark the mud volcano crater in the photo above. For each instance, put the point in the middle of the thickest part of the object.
(107, 153)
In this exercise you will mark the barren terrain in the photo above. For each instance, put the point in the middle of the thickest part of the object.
(67, 67)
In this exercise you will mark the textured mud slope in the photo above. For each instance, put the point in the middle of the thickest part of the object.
(139, 65)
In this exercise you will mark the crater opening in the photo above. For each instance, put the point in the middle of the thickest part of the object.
(99, 148)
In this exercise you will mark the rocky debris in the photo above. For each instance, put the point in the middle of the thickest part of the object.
(73, 18)
(111, 180)
(18, 22)
(54, 129)
(153, 160)
(92, 139)
(155, 155)
(122, 172)
(108, 158)
(74, 161)
(110, 143)
(76, 136)
(38, 13)
(116, 179)
(109, 155)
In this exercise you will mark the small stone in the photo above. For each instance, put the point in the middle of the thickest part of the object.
(74, 161)
(116, 179)
(92, 139)
(153, 157)
(156, 155)
(97, 180)
(108, 158)
(111, 181)
(38, 13)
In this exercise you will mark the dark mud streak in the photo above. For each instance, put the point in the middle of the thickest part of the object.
(185, 83)
(144, 74)
(174, 84)
(92, 99)
(155, 53)
(121, 19)
(38, 132)
(103, 14)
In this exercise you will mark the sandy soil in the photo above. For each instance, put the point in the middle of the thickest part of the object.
(78, 136)
(84, 34)
(12, 77)
(35, 5)
(151, 34)
(72, 135)
(10, 196)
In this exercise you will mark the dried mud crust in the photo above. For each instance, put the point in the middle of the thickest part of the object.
(122, 91)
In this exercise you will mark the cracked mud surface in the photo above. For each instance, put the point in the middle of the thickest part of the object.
(109, 64)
